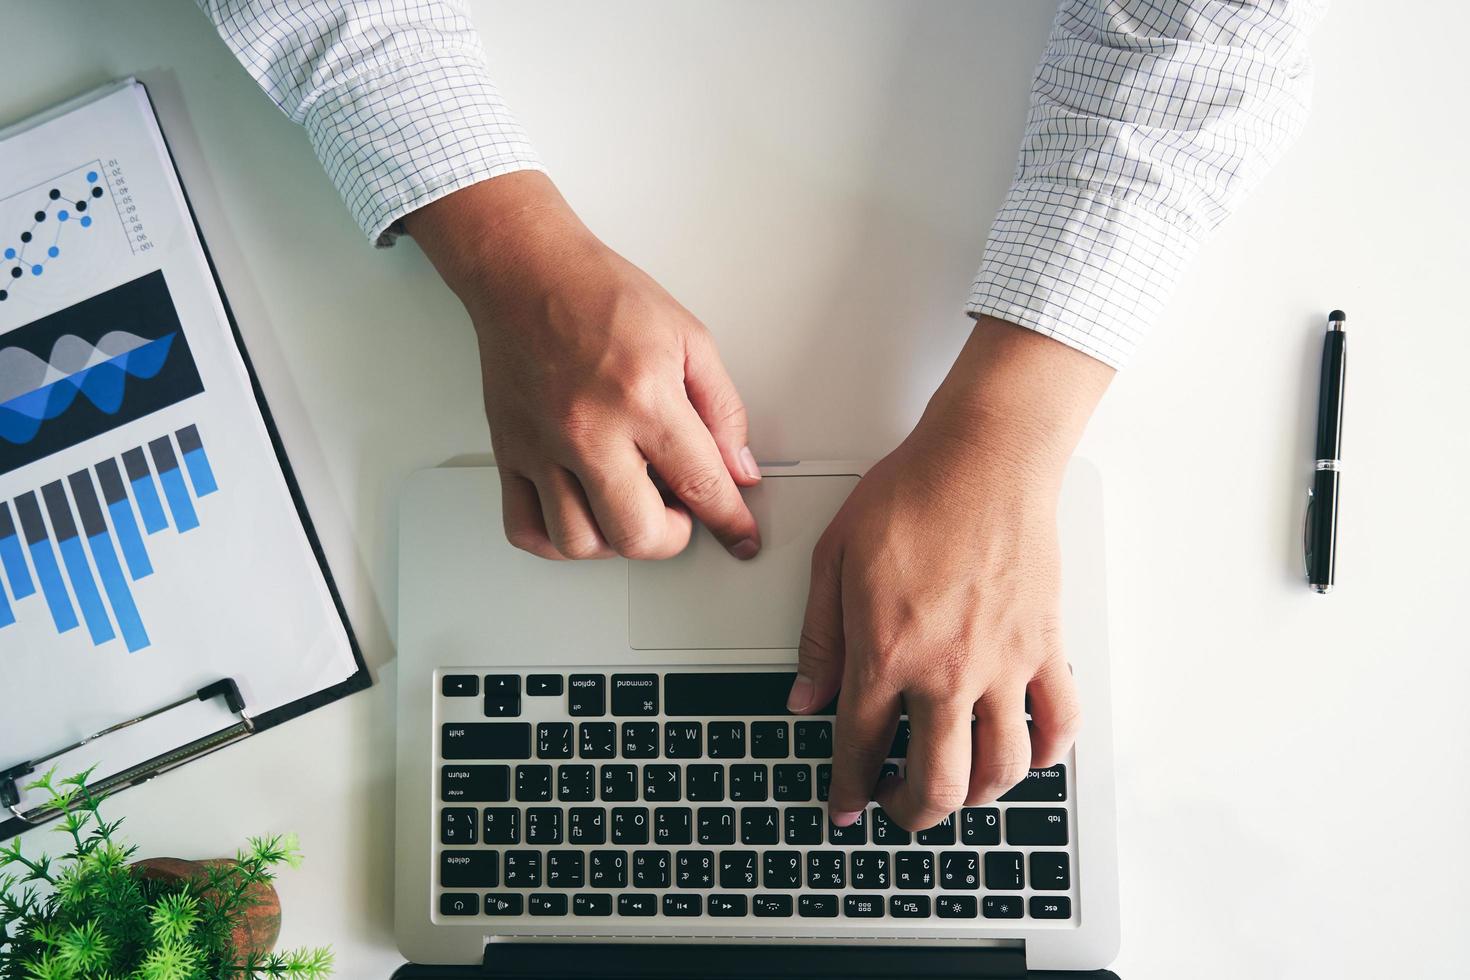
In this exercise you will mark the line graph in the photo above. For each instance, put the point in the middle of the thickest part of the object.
(42, 220)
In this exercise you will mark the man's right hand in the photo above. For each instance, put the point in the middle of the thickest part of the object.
(593, 373)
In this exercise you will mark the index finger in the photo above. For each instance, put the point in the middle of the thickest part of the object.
(685, 456)
(867, 717)
(937, 772)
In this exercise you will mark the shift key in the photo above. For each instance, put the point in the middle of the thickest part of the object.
(486, 740)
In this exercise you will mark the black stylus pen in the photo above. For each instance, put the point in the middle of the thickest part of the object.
(1320, 537)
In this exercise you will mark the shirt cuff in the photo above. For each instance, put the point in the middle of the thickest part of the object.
(1088, 270)
(406, 134)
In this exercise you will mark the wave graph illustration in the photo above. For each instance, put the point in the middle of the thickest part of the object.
(33, 391)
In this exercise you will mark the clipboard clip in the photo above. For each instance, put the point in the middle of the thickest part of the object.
(10, 790)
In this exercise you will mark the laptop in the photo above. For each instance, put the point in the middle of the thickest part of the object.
(597, 776)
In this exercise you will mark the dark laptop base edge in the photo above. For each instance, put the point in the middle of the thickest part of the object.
(700, 961)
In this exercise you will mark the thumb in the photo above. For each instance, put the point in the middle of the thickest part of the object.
(714, 397)
(821, 655)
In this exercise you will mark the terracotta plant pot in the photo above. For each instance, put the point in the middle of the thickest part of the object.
(260, 924)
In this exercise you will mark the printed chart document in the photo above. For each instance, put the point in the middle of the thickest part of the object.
(149, 540)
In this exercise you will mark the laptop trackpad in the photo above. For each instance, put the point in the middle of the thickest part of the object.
(706, 600)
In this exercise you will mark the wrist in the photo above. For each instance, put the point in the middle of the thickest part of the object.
(1015, 401)
(503, 243)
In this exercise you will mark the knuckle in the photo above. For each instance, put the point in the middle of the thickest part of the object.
(994, 778)
(942, 796)
(638, 540)
(579, 546)
(698, 486)
(817, 646)
(526, 540)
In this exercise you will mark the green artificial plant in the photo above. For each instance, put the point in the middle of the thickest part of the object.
(89, 915)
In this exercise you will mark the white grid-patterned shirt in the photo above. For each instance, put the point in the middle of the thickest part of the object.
(1149, 121)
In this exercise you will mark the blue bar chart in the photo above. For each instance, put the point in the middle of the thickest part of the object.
(83, 540)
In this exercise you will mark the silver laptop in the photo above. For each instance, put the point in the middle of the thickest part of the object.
(597, 775)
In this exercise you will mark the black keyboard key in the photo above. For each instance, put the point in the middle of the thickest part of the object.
(661, 784)
(543, 825)
(792, 784)
(735, 694)
(502, 904)
(672, 826)
(1051, 907)
(813, 739)
(913, 870)
(726, 906)
(888, 769)
(826, 869)
(459, 685)
(1040, 786)
(576, 784)
(817, 906)
(900, 747)
(959, 870)
(1036, 826)
(469, 869)
(533, 784)
(706, 783)
(726, 739)
(543, 685)
(597, 740)
(804, 824)
(886, 832)
(554, 740)
(760, 825)
(485, 740)
(695, 869)
(459, 903)
(853, 833)
(637, 905)
(863, 907)
(565, 869)
(770, 740)
(1002, 907)
(772, 906)
(629, 825)
(869, 869)
(474, 784)
(587, 695)
(738, 869)
(640, 740)
(956, 906)
(587, 825)
(651, 869)
(502, 695)
(608, 869)
(683, 739)
(979, 826)
(459, 825)
(909, 906)
(619, 784)
(716, 825)
(824, 781)
(1003, 870)
(677, 906)
(548, 904)
(1051, 871)
(634, 694)
(592, 905)
(522, 869)
(781, 869)
(502, 825)
(939, 835)
(748, 784)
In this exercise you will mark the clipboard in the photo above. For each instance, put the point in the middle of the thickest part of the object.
(233, 718)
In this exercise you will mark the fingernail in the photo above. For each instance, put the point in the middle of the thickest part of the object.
(748, 464)
(746, 549)
(846, 818)
(800, 697)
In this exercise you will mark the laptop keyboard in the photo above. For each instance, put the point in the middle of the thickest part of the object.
(687, 792)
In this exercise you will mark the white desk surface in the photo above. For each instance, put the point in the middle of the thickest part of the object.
(815, 179)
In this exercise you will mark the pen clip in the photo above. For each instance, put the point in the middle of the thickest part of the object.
(1307, 535)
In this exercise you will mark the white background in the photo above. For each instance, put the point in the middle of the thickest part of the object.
(815, 180)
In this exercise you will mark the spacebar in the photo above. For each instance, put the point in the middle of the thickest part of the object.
(742, 693)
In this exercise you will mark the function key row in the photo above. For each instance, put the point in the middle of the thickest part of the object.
(683, 905)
